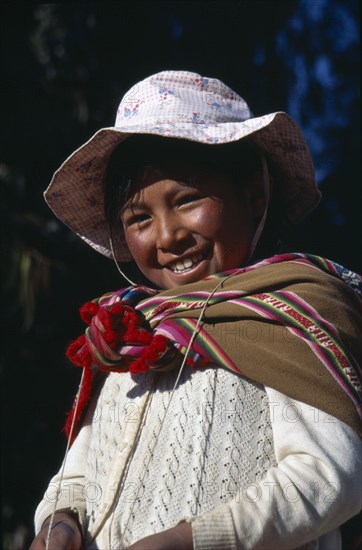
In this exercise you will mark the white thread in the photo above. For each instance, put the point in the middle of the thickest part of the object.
(193, 336)
(117, 264)
(259, 229)
(63, 465)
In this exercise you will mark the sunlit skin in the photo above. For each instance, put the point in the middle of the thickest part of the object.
(169, 222)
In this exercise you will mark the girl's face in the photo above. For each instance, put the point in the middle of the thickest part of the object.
(179, 233)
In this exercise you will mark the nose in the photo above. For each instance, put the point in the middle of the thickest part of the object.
(172, 235)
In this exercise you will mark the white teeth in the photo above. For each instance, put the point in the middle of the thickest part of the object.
(180, 266)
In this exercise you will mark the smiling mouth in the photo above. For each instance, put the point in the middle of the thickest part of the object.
(186, 264)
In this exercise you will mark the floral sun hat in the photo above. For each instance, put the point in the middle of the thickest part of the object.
(185, 105)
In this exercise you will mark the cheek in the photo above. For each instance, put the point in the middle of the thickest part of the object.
(234, 235)
(209, 219)
(222, 222)
(137, 245)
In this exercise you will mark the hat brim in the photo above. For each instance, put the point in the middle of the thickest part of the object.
(76, 191)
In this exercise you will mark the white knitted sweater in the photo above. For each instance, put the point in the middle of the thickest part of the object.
(247, 466)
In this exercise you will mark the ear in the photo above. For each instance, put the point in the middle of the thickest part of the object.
(257, 194)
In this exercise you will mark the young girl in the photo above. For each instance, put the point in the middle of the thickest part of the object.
(220, 397)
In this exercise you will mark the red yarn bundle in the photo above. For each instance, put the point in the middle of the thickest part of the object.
(112, 332)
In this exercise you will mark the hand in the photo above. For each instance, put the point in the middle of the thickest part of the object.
(177, 538)
(65, 534)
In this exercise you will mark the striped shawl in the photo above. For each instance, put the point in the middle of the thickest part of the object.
(292, 322)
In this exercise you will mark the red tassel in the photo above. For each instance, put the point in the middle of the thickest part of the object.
(88, 311)
(73, 350)
(156, 349)
(78, 352)
(138, 366)
(110, 336)
(85, 356)
(105, 318)
(133, 335)
(116, 309)
(82, 401)
(130, 318)
(112, 327)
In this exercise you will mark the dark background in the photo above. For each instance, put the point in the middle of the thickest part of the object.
(64, 69)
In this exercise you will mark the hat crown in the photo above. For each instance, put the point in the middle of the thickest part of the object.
(181, 97)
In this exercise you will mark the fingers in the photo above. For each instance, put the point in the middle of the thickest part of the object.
(64, 535)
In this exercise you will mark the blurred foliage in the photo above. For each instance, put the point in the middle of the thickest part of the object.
(64, 69)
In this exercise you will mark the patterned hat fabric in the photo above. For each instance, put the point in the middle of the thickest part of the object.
(184, 105)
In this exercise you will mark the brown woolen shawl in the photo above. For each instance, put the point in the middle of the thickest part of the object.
(266, 352)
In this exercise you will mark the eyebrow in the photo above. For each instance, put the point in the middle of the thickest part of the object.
(134, 203)
(132, 208)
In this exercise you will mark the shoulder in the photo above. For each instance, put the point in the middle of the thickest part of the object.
(310, 275)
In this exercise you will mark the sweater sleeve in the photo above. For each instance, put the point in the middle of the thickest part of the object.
(71, 494)
(315, 487)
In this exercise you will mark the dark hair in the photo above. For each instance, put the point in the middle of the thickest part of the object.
(240, 160)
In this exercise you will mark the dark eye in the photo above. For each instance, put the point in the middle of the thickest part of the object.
(187, 199)
(135, 219)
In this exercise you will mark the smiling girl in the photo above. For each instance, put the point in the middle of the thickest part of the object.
(220, 397)
(183, 214)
